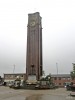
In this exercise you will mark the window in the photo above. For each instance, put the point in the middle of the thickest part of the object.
(59, 78)
(64, 78)
(55, 78)
(72, 78)
(6, 76)
(68, 78)
(59, 83)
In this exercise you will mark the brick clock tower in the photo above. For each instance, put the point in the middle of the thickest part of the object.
(34, 47)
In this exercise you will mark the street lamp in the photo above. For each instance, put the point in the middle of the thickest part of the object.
(57, 67)
(57, 72)
(13, 68)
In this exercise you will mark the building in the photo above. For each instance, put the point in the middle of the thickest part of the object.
(34, 47)
(60, 79)
(1, 80)
(11, 77)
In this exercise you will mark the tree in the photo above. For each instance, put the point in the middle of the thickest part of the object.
(43, 73)
(72, 73)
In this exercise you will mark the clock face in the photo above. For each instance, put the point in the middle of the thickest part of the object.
(32, 23)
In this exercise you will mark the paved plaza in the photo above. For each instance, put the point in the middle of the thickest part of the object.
(7, 93)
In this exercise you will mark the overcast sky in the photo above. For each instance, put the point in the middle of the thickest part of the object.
(58, 22)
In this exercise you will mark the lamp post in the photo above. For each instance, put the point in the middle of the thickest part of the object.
(13, 68)
(57, 72)
(57, 67)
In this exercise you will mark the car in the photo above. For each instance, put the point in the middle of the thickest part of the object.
(11, 84)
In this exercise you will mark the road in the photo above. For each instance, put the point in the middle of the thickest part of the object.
(7, 93)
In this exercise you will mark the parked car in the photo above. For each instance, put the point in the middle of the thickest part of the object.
(11, 84)
(67, 85)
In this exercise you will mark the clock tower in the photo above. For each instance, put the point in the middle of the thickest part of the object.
(34, 47)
